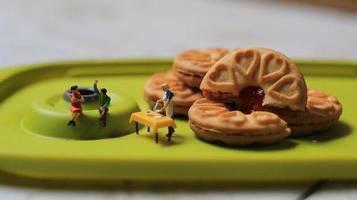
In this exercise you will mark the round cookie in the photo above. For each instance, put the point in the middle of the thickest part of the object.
(322, 111)
(192, 65)
(213, 121)
(282, 82)
(183, 95)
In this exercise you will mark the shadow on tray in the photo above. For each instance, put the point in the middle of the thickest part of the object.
(285, 144)
(339, 130)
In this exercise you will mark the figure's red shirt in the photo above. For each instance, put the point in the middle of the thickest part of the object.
(76, 104)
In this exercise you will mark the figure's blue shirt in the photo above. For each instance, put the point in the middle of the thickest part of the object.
(169, 95)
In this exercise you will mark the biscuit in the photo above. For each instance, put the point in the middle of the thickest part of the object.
(282, 82)
(321, 112)
(184, 96)
(192, 65)
(213, 121)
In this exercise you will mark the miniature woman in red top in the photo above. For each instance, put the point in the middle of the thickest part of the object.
(76, 100)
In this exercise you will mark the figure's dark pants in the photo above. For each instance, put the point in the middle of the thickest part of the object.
(103, 115)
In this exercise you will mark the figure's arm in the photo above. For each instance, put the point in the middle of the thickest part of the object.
(96, 88)
(160, 101)
(166, 103)
(73, 99)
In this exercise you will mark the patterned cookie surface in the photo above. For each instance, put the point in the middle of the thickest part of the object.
(322, 111)
(213, 121)
(276, 74)
(183, 98)
(191, 65)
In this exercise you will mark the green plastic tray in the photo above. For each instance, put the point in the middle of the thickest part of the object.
(331, 154)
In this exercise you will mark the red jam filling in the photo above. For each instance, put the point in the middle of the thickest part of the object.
(205, 92)
(252, 98)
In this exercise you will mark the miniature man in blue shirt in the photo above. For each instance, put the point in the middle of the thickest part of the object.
(166, 100)
(168, 106)
(104, 101)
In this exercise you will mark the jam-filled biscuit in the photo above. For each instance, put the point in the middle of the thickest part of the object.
(279, 78)
(322, 111)
(213, 121)
(192, 65)
(184, 96)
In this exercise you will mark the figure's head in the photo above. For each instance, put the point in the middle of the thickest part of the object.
(165, 87)
(74, 88)
(103, 91)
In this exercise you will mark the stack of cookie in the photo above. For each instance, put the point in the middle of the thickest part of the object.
(184, 79)
(250, 95)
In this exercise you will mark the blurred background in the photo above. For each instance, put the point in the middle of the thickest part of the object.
(43, 30)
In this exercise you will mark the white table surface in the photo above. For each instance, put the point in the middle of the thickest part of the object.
(43, 30)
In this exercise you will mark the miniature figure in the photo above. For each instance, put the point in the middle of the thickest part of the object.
(76, 100)
(104, 101)
(166, 100)
(168, 105)
(184, 95)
